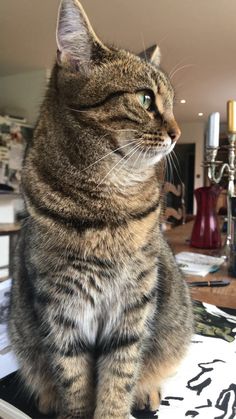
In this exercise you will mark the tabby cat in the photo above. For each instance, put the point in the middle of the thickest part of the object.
(100, 313)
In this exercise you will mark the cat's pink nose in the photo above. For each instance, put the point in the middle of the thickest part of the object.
(174, 132)
(174, 135)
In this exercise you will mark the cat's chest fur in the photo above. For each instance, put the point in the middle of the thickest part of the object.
(99, 321)
(95, 277)
(98, 312)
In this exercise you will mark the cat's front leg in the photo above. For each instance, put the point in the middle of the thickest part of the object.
(117, 376)
(76, 386)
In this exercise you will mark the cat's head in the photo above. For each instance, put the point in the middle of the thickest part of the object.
(126, 101)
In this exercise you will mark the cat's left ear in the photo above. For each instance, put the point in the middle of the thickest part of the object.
(77, 42)
(152, 54)
(156, 56)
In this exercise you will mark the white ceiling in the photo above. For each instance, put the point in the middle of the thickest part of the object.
(197, 35)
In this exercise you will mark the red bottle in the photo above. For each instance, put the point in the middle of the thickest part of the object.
(206, 232)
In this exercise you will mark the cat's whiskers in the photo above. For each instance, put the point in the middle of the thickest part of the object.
(79, 110)
(143, 154)
(123, 158)
(176, 65)
(179, 69)
(127, 129)
(176, 165)
(137, 159)
(144, 47)
(133, 150)
(126, 160)
(171, 174)
(167, 169)
(147, 150)
(173, 167)
(108, 154)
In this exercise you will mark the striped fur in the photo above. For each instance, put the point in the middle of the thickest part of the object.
(100, 313)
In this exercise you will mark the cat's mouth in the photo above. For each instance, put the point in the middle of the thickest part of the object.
(147, 150)
(155, 146)
(154, 150)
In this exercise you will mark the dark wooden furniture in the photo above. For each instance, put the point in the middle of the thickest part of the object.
(178, 238)
(174, 208)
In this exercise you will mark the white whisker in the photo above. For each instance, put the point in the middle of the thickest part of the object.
(108, 154)
(163, 39)
(136, 146)
(165, 171)
(175, 66)
(144, 156)
(181, 68)
(174, 169)
(144, 47)
(125, 160)
(80, 110)
(177, 169)
(169, 169)
(121, 130)
(133, 165)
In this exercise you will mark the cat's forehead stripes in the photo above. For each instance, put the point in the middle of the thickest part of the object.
(163, 89)
(163, 92)
(159, 103)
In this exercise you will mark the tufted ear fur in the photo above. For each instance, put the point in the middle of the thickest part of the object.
(76, 40)
(156, 56)
(152, 54)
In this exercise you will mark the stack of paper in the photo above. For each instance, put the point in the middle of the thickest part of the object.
(197, 263)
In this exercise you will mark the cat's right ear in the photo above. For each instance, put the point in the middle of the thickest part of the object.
(77, 42)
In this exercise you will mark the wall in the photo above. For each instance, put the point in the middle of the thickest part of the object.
(193, 132)
(22, 94)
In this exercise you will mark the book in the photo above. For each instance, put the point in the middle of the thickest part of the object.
(198, 264)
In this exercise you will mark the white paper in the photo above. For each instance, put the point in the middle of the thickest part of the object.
(8, 362)
(4, 339)
(16, 156)
(204, 386)
(197, 264)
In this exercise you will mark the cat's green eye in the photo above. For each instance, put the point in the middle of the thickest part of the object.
(145, 99)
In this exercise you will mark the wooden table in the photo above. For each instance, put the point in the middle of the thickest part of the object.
(178, 238)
